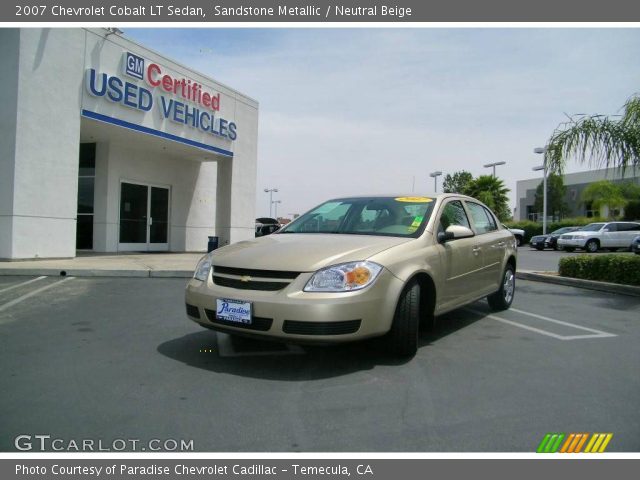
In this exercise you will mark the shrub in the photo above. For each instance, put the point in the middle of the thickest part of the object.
(624, 269)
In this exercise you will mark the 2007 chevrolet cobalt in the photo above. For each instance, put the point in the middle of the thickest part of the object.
(359, 267)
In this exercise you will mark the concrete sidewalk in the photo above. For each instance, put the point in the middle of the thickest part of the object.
(177, 265)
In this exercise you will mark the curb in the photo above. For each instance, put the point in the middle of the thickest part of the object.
(58, 272)
(580, 283)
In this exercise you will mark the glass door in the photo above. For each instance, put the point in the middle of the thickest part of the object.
(158, 218)
(144, 218)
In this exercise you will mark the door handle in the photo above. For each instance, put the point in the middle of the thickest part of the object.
(500, 244)
(476, 250)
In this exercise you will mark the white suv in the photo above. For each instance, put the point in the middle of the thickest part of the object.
(610, 235)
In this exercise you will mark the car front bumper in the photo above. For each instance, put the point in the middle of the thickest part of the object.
(574, 242)
(293, 315)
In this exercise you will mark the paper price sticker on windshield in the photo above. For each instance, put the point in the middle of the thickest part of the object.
(417, 221)
(414, 199)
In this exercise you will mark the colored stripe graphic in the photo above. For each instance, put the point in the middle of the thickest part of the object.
(598, 442)
(574, 442)
(550, 443)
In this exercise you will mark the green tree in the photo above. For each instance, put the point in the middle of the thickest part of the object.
(457, 183)
(492, 192)
(604, 194)
(555, 196)
(599, 140)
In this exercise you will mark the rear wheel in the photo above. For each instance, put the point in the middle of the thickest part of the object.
(592, 246)
(403, 337)
(502, 299)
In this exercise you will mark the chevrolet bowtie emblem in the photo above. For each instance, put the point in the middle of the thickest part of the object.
(245, 278)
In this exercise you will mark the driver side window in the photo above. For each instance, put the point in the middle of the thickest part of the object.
(453, 214)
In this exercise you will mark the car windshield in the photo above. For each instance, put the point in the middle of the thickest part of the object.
(387, 216)
(592, 227)
(563, 230)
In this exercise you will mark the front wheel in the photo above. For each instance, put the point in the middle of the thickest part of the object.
(403, 337)
(592, 246)
(502, 299)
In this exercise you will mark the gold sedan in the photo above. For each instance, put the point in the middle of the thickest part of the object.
(358, 267)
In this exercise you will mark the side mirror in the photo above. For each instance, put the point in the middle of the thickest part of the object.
(454, 232)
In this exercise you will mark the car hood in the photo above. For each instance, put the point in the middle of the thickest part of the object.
(302, 252)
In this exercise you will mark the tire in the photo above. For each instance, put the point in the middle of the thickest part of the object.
(503, 298)
(518, 240)
(591, 246)
(556, 248)
(539, 248)
(402, 339)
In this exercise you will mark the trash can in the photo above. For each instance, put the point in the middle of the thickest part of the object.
(213, 244)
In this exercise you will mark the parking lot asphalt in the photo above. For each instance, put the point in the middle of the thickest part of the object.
(116, 358)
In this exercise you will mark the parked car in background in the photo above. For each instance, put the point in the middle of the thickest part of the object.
(635, 245)
(518, 233)
(355, 268)
(550, 240)
(266, 226)
(592, 237)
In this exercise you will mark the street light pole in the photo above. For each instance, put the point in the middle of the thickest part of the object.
(489, 165)
(270, 192)
(275, 208)
(543, 151)
(435, 176)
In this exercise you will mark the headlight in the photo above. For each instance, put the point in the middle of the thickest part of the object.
(203, 268)
(343, 278)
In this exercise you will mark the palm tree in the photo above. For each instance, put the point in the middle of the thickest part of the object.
(492, 192)
(598, 140)
(604, 194)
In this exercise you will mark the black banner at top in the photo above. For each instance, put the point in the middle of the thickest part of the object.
(321, 11)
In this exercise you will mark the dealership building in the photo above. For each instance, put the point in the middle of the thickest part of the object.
(109, 146)
(575, 184)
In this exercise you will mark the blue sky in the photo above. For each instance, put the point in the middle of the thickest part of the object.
(357, 111)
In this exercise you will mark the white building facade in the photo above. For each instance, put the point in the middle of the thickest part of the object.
(575, 184)
(108, 146)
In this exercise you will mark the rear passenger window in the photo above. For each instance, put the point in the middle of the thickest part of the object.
(482, 218)
(627, 227)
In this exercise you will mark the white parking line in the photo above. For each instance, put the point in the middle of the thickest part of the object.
(225, 349)
(31, 294)
(21, 283)
(594, 333)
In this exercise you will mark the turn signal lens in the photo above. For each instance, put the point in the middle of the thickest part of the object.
(345, 277)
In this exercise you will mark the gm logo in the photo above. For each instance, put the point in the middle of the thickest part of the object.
(134, 66)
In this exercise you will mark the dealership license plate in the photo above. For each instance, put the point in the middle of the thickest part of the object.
(235, 311)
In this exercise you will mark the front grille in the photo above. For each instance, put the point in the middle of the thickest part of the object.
(193, 311)
(256, 273)
(250, 285)
(257, 323)
(321, 328)
(251, 279)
